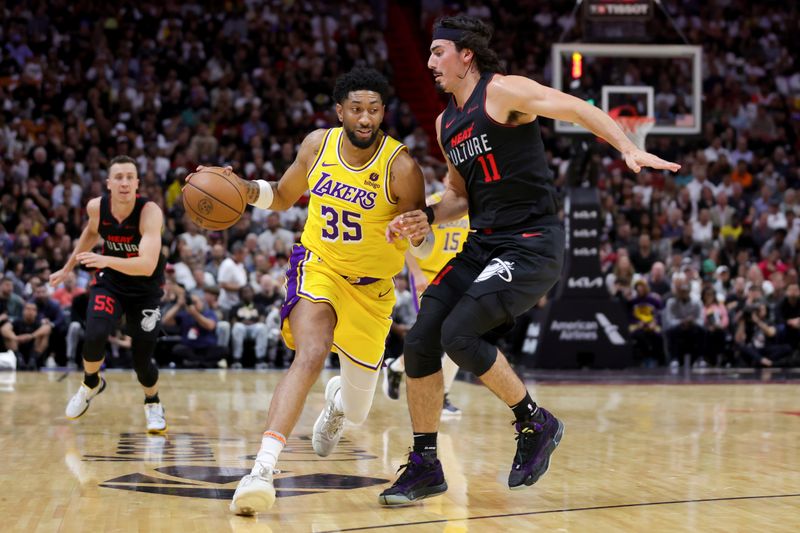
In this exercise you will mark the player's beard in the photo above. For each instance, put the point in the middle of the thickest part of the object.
(359, 142)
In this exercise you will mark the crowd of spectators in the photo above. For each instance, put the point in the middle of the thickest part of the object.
(174, 85)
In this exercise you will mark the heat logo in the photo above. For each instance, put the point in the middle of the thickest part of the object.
(497, 267)
(462, 136)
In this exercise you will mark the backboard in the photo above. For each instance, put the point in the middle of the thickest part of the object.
(660, 81)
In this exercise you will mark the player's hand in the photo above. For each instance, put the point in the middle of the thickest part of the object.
(58, 277)
(636, 159)
(226, 170)
(92, 260)
(412, 225)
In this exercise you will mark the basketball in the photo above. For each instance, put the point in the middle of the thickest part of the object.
(213, 200)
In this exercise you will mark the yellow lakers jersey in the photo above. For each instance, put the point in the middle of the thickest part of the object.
(449, 239)
(349, 209)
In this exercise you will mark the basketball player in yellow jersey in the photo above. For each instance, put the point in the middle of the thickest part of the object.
(449, 239)
(339, 282)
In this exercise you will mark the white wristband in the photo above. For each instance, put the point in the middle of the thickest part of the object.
(425, 247)
(265, 195)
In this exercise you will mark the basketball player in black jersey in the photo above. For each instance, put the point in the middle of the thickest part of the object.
(490, 137)
(128, 280)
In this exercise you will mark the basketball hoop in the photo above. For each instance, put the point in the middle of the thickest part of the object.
(636, 127)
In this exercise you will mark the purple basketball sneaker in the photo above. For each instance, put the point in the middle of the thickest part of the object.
(423, 478)
(535, 443)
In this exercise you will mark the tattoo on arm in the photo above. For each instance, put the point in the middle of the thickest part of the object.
(252, 191)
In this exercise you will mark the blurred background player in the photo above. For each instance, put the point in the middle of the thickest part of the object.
(339, 283)
(130, 272)
(449, 238)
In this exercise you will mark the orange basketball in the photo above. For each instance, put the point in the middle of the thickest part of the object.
(213, 200)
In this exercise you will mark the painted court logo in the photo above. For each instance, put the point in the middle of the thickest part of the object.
(497, 267)
(218, 482)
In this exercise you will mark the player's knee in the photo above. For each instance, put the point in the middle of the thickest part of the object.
(238, 330)
(147, 373)
(94, 344)
(310, 357)
(423, 354)
(466, 348)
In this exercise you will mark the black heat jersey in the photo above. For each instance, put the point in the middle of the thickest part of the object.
(504, 166)
(121, 239)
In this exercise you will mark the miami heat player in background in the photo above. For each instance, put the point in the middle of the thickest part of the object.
(130, 272)
(498, 171)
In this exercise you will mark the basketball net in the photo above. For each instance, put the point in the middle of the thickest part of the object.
(636, 127)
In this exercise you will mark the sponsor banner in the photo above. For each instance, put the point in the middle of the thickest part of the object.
(618, 10)
(577, 333)
(582, 276)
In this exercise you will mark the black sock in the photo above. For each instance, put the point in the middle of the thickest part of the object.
(526, 410)
(91, 380)
(425, 443)
(151, 399)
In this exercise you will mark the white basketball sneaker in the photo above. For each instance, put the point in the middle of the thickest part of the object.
(154, 413)
(254, 494)
(79, 402)
(330, 424)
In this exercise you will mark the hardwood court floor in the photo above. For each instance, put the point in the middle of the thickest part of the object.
(723, 457)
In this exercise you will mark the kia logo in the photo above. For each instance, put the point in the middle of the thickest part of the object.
(584, 282)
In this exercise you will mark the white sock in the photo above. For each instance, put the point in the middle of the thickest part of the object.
(272, 444)
(398, 365)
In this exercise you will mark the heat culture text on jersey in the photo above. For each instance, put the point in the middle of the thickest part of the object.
(464, 146)
(116, 243)
(121, 239)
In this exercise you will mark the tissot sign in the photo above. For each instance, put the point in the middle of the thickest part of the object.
(618, 9)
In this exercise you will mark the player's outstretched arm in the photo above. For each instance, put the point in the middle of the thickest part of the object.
(453, 205)
(522, 95)
(86, 242)
(150, 225)
(408, 187)
(282, 194)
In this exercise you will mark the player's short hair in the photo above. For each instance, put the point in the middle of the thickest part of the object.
(476, 37)
(122, 159)
(360, 79)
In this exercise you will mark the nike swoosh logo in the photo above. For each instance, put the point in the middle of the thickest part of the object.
(528, 235)
(384, 294)
(471, 109)
(447, 125)
(106, 223)
(329, 164)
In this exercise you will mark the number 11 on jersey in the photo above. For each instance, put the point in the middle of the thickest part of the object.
(490, 172)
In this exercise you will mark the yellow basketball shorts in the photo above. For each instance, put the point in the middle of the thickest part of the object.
(363, 307)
